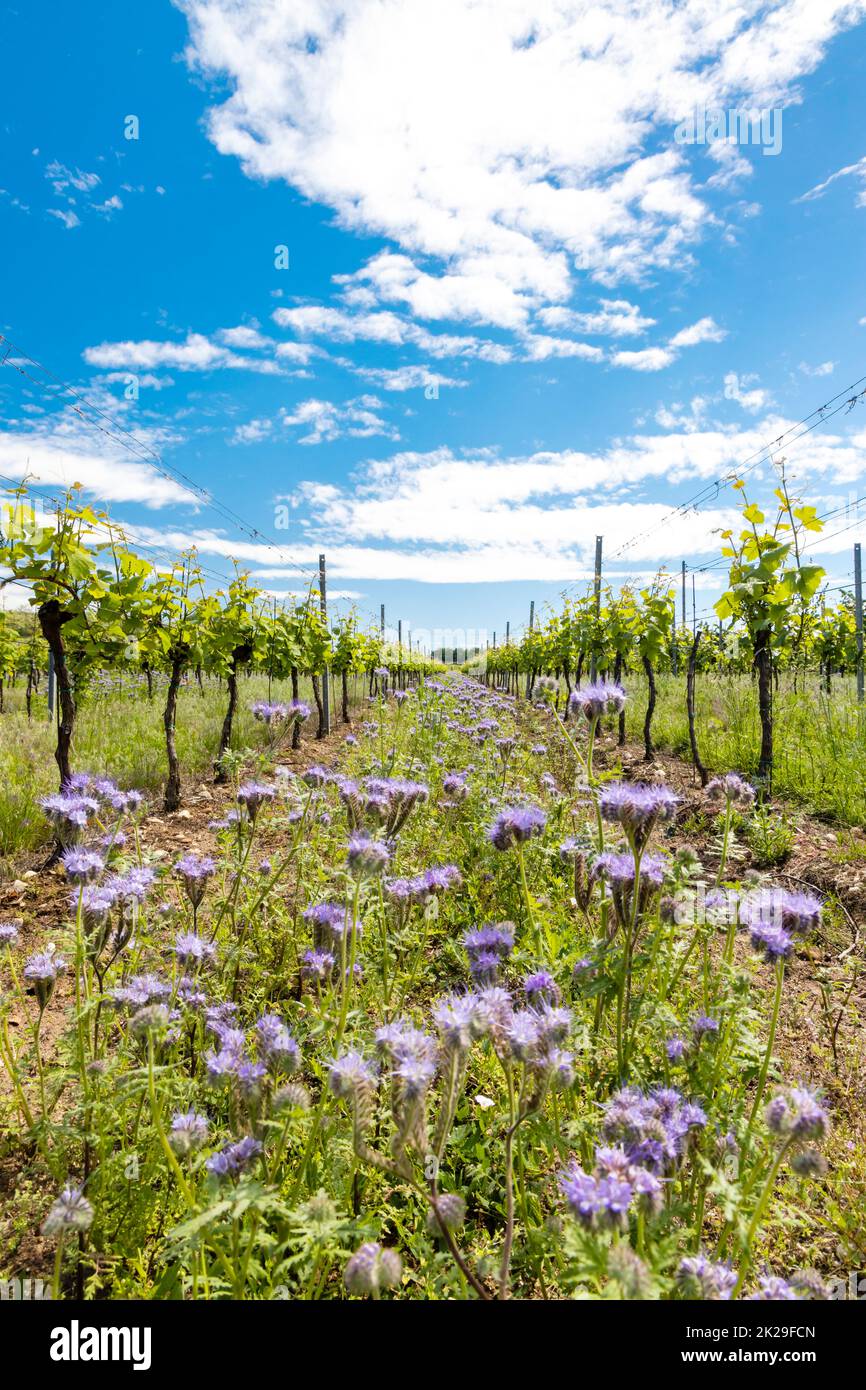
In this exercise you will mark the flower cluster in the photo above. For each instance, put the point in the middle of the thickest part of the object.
(637, 807)
(516, 825)
(595, 700)
(776, 919)
(731, 788)
(487, 948)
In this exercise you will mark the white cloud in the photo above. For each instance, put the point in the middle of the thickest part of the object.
(540, 346)
(63, 178)
(406, 378)
(145, 380)
(67, 217)
(252, 432)
(616, 318)
(440, 517)
(383, 326)
(324, 421)
(245, 335)
(822, 369)
(752, 400)
(706, 330)
(856, 171)
(59, 451)
(112, 204)
(197, 353)
(644, 359)
(501, 146)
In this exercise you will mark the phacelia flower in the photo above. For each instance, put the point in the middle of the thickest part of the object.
(731, 787)
(253, 795)
(637, 807)
(449, 1215)
(193, 950)
(82, 865)
(796, 1113)
(371, 1269)
(517, 825)
(232, 1159)
(71, 1211)
(367, 857)
(195, 872)
(597, 699)
(700, 1277)
(42, 970)
(188, 1132)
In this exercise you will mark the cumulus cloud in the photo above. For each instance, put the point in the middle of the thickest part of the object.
(553, 153)
(323, 421)
(58, 450)
(197, 353)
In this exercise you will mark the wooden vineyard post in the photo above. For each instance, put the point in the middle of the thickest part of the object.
(597, 592)
(326, 674)
(858, 619)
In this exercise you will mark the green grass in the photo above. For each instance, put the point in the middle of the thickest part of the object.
(820, 739)
(119, 735)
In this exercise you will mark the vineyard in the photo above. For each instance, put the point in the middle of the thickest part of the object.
(332, 970)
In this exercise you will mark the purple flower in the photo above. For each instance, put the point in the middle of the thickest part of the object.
(277, 1047)
(637, 807)
(517, 825)
(141, 990)
(773, 1290)
(676, 1049)
(253, 795)
(456, 1018)
(593, 701)
(775, 942)
(9, 934)
(523, 1035)
(350, 1074)
(69, 813)
(269, 713)
(329, 921)
(42, 970)
(82, 865)
(133, 886)
(195, 872)
(193, 950)
(701, 1278)
(371, 1269)
(796, 913)
(232, 1159)
(71, 1211)
(367, 857)
(732, 788)
(487, 947)
(703, 1024)
(189, 1131)
(595, 1201)
(316, 776)
(796, 1114)
(317, 966)
(541, 988)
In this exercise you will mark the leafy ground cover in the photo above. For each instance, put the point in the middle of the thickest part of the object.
(473, 1003)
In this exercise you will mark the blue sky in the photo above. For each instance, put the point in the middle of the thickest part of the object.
(519, 310)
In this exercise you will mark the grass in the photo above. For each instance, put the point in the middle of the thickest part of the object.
(119, 733)
(350, 1161)
(820, 739)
